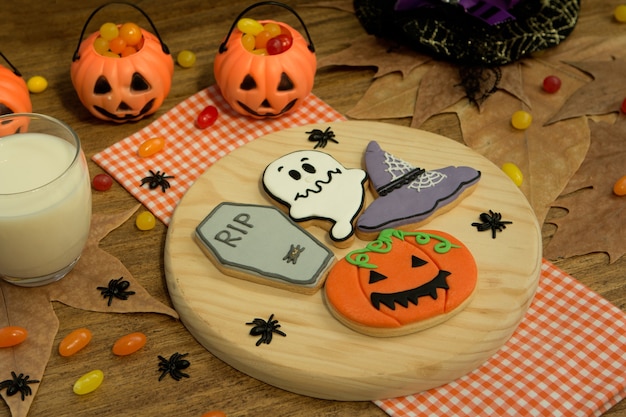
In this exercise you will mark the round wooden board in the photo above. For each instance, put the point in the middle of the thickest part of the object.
(320, 357)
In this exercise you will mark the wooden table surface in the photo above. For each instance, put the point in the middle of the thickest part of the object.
(40, 37)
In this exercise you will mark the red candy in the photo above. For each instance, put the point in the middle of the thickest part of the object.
(623, 107)
(278, 44)
(551, 84)
(207, 117)
(12, 336)
(102, 182)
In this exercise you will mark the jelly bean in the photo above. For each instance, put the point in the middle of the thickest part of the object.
(551, 84)
(623, 106)
(151, 146)
(620, 13)
(101, 45)
(207, 117)
(513, 172)
(273, 28)
(261, 39)
(145, 221)
(251, 26)
(128, 51)
(620, 187)
(117, 45)
(37, 84)
(214, 413)
(130, 33)
(128, 344)
(186, 58)
(111, 54)
(102, 182)
(248, 41)
(74, 341)
(109, 31)
(88, 382)
(278, 44)
(521, 119)
(12, 336)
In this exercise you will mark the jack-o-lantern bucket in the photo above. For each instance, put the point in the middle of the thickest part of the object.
(14, 98)
(122, 88)
(269, 83)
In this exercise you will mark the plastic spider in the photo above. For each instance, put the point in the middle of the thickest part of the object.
(19, 383)
(322, 138)
(116, 289)
(265, 329)
(491, 221)
(157, 179)
(174, 366)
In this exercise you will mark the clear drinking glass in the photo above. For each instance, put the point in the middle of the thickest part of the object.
(45, 199)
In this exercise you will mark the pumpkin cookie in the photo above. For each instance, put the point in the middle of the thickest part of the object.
(401, 283)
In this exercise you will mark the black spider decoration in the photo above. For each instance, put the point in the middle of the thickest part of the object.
(491, 221)
(265, 329)
(116, 289)
(19, 383)
(157, 179)
(322, 138)
(174, 366)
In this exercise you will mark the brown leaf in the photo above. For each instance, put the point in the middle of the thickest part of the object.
(370, 51)
(603, 95)
(596, 218)
(78, 289)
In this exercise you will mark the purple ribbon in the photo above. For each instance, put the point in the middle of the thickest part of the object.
(490, 11)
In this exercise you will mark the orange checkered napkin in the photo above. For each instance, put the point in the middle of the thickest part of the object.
(567, 358)
(190, 151)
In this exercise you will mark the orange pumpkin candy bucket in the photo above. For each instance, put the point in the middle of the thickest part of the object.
(265, 85)
(125, 88)
(14, 97)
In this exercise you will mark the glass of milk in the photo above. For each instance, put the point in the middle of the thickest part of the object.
(45, 199)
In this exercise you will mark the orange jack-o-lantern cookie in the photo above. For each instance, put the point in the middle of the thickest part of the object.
(401, 283)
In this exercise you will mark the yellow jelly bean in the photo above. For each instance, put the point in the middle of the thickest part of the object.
(151, 146)
(145, 221)
(251, 26)
(88, 382)
(620, 13)
(37, 84)
(521, 119)
(513, 172)
(186, 58)
(273, 28)
(248, 41)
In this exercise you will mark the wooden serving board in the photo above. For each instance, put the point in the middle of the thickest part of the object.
(320, 357)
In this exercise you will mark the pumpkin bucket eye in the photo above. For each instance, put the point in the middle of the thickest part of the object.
(101, 86)
(248, 83)
(285, 83)
(139, 83)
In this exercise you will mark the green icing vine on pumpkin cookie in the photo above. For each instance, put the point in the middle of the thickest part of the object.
(383, 244)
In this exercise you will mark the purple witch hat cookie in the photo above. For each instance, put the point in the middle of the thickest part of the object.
(407, 196)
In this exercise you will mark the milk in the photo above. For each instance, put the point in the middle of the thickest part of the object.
(45, 208)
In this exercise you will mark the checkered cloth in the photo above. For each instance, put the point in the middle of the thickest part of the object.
(567, 358)
(189, 151)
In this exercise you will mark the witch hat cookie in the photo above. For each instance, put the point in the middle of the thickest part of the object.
(407, 196)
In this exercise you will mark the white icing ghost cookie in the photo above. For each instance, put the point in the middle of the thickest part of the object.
(318, 190)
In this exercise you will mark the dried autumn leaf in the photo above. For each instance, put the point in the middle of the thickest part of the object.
(78, 289)
(596, 218)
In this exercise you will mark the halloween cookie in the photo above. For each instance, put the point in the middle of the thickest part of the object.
(408, 197)
(261, 244)
(401, 283)
(317, 190)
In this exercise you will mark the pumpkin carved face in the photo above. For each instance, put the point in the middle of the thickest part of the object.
(262, 86)
(401, 283)
(123, 89)
(14, 98)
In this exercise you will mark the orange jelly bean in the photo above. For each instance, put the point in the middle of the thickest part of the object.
(12, 336)
(128, 344)
(214, 413)
(620, 187)
(74, 341)
(151, 146)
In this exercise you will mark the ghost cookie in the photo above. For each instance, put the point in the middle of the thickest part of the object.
(317, 190)
(401, 283)
(407, 197)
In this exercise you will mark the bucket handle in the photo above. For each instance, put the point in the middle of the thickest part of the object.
(15, 70)
(311, 47)
(82, 33)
